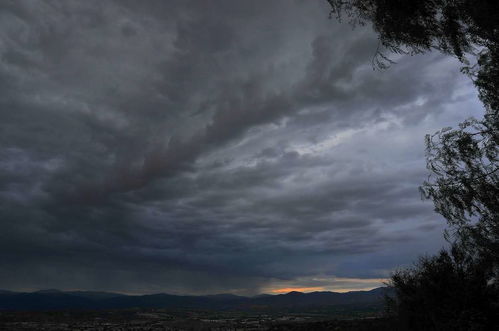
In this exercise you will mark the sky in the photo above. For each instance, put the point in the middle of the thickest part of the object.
(201, 147)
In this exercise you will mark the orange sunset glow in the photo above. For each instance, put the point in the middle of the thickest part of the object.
(297, 289)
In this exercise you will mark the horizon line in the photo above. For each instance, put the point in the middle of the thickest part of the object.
(291, 290)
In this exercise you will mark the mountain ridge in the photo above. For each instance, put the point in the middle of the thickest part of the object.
(95, 300)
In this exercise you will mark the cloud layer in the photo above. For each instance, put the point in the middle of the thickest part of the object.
(211, 146)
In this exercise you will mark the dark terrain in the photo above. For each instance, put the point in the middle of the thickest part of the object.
(81, 310)
(49, 300)
(162, 319)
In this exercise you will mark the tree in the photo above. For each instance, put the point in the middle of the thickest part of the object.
(464, 185)
(463, 162)
(463, 28)
(458, 289)
(447, 291)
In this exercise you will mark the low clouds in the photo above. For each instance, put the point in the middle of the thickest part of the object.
(201, 147)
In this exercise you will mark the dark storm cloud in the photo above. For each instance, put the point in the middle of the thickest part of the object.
(209, 146)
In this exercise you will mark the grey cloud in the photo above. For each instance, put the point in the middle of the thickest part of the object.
(243, 142)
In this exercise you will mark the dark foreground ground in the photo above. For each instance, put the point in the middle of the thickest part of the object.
(185, 320)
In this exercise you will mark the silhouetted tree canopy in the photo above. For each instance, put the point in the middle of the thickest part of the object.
(464, 184)
(448, 291)
(458, 289)
(464, 161)
(463, 28)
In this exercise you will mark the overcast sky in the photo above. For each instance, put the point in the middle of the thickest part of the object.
(197, 147)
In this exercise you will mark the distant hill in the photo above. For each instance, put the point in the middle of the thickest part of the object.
(88, 300)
